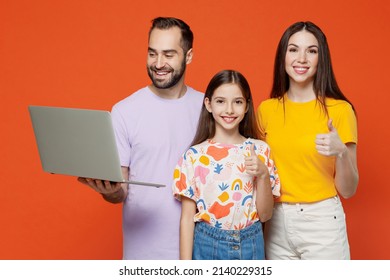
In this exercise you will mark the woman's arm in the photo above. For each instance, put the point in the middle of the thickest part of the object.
(346, 171)
(347, 175)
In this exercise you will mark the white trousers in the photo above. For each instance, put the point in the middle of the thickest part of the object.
(307, 231)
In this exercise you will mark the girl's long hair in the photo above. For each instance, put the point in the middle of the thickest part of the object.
(248, 126)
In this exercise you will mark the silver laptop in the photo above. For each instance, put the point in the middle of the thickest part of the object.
(78, 142)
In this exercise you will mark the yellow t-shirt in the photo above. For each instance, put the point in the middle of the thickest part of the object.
(305, 175)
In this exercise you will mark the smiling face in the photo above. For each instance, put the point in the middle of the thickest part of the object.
(166, 62)
(228, 107)
(302, 57)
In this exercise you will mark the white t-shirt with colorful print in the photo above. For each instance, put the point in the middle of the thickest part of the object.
(214, 176)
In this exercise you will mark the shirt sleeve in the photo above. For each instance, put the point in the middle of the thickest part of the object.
(183, 178)
(266, 157)
(346, 125)
(121, 136)
(274, 177)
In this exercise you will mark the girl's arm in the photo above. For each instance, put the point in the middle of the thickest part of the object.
(187, 224)
(264, 197)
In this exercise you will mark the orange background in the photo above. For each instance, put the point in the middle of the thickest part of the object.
(92, 53)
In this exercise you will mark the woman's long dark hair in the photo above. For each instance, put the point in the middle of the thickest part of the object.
(248, 126)
(325, 84)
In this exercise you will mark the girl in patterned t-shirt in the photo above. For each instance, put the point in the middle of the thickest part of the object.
(226, 180)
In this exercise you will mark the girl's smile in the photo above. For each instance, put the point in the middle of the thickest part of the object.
(228, 107)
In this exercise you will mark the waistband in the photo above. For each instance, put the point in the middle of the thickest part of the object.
(229, 235)
(335, 199)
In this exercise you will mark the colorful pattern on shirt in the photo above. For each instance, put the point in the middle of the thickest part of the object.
(214, 176)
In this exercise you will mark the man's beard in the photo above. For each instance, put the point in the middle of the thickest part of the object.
(175, 78)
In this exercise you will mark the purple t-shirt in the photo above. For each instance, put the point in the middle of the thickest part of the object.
(152, 133)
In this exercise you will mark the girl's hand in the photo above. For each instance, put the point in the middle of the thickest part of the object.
(254, 166)
(330, 144)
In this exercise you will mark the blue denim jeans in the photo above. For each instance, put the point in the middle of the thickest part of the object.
(212, 243)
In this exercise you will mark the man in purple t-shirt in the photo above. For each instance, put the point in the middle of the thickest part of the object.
(153, 127)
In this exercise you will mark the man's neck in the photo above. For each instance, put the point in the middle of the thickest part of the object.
(175, 92)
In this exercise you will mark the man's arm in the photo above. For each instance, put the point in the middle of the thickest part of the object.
(111, 192)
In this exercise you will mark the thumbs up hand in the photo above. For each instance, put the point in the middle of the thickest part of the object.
(330, 144)
(254, 166)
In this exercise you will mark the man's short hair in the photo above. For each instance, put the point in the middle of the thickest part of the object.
(164, 23)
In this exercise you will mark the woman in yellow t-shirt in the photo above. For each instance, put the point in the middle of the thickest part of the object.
(311, 128)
